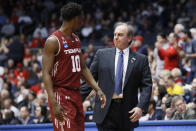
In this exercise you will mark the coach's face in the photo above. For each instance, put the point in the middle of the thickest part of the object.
(121, 38)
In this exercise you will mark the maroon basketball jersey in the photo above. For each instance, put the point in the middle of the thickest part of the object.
(67, 69)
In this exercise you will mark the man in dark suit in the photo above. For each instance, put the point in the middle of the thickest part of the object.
(120, 73)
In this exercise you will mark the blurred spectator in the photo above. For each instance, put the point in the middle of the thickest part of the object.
(9, 106)
(1, 119)
(25, 117)
(27, 56)
(193, 91)
(193, 32)
(22, 97)
(10, 118)
(178, 28)
(153, 113)
(24, 18)
(169, 109)
(191, 6)
(159, 64)
(8, 29)
(10, 64)
(4, 95)
(3, 50)
(41, 114)
(170, 55)
(183, 19)
(177, 75)
(20, 73)
(182, 112)
(40, 31)
(87, 30)
(193, 21)
(38, 41)
(16, 50)
(25, 23)
(33, 78)
(163, 103)
(189, 52)
(172, 87)
(89, 55)
(31, 102)
(3, 17)
(52, 28)
(139, 46)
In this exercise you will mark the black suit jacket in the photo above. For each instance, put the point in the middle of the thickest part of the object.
(137, 76)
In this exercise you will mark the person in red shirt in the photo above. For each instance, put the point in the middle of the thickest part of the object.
(63, 66)
(37, 42)
(20, 73)
(170, 55)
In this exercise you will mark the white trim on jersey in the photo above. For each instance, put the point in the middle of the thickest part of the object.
(68, 121)
(58, 42)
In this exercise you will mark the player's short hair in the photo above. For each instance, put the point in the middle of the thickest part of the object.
(70, 11)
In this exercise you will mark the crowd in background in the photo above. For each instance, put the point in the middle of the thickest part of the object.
(165, 31)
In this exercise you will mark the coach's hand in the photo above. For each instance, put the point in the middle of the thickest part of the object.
(58, 111)
(136, 114)
(102, 97)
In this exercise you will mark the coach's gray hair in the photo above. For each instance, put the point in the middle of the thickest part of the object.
(130, 29)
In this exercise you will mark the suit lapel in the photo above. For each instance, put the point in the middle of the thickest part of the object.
(131, 62)
(111, 61)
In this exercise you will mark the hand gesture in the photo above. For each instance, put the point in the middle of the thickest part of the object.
(58, 111)
(136, 114)
(102, 97)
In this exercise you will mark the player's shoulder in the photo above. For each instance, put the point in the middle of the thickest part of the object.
(52, 42)
(52, 39)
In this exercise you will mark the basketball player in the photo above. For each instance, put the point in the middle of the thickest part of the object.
(63, 66)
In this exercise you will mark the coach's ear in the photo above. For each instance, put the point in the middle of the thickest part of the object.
(130, 39)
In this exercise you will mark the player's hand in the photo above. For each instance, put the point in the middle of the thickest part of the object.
(58, 111)
(136, 114)
(102, 97)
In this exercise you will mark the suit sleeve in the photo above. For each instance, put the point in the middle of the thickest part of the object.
(145, 87)
(85, 88)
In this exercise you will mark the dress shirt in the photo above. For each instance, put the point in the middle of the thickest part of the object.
(125, 63)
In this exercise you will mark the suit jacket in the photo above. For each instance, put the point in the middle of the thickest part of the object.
(137, 76)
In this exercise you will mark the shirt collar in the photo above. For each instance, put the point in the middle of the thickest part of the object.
(125, 51)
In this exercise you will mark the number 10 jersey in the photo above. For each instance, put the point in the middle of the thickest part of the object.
(66, 71)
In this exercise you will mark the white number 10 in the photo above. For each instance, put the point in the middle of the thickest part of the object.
(75, 63)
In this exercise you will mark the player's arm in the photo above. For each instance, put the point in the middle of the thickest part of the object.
(51, 47)
(87, 76)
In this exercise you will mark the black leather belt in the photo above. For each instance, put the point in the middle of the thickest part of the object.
(118, 100)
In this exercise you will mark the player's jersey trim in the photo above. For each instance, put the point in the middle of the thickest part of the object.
(58, 43)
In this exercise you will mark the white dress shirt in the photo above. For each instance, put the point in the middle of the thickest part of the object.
(125, 63)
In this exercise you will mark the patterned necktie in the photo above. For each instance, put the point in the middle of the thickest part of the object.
(119, 74)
